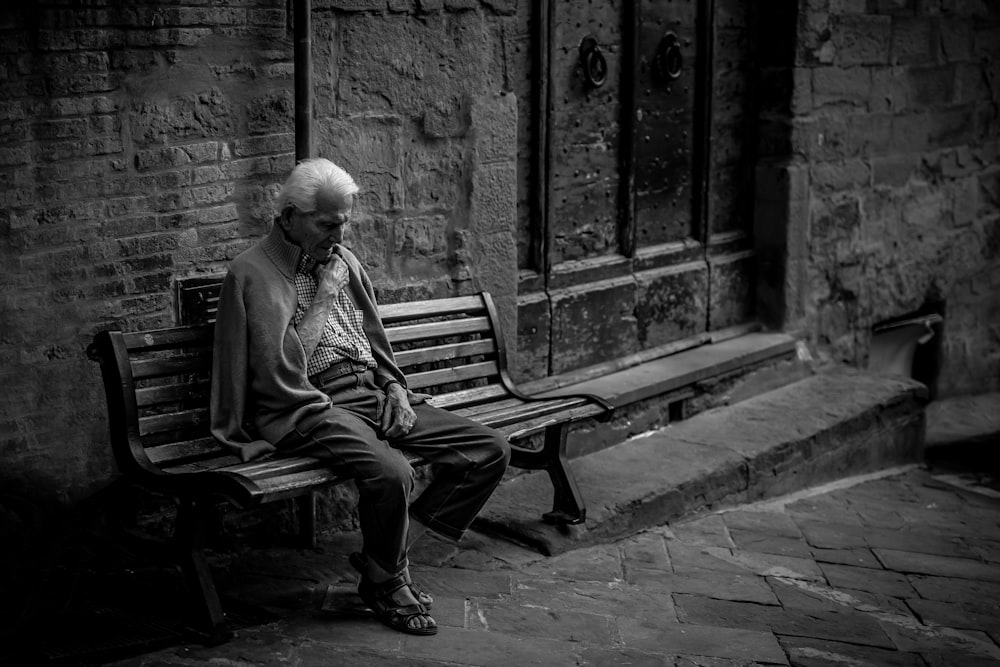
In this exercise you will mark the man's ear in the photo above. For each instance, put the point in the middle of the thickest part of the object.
(285, 219)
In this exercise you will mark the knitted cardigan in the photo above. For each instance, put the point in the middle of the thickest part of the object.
(260, 390)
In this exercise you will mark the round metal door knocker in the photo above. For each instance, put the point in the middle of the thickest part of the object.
(669, 61)
(595, 67)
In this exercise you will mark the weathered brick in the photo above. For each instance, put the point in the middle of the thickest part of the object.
(956, 39)
(952, 127)
(861, 39)
(894, 170)
(835, 85)
(910, 133)
(904, 7)
(842, 175)
(869, 134)
(267, 17)
(167, 36)
(273, 143)
(351, 5)
(80, 39)
(914, 41)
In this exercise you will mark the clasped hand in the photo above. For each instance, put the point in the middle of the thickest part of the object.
(398, 416)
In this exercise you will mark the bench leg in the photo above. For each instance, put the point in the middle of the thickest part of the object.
(306, 507)
(567, 503)
(207, 617)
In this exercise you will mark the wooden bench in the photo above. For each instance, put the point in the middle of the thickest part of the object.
(157, 389)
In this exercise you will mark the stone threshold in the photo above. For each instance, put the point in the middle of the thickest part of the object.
(819, 429)
(670, 368)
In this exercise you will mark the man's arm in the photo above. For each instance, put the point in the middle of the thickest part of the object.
(331, 278)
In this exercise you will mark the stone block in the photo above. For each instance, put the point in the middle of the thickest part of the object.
(910, 133)
(731, 295)
(836, 85)
(932, 86)
(861, 39)
(914, 41)
(869, 134)
(956, 39)
(530, 352)
(951, 127)
(671, 303)
(493, 199)
(891, 90)
(370, 149)
(435, 178)
(841, 175)
(443, 57)
(894, 170)
(494, 121)
(593, 323)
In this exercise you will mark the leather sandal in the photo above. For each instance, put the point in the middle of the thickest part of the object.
(389, 612)
(360, 563)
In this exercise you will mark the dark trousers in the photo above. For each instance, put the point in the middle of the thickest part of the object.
(469, 460)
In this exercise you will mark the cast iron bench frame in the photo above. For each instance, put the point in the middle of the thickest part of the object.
(157, 384)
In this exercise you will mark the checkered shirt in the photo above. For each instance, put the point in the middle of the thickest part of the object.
(343, 336)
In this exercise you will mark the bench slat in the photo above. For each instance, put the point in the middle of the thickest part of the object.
(173, 421)
(454, 374)
(169, 338)
(527, 411)
(443, 329)
(155, 368)
(445, 352)
(184, 449)
(468, 397)
(400, 312)
(530, 427)
(480, 408)
(170, 393)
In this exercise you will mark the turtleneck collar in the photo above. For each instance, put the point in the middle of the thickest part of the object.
(284, 254)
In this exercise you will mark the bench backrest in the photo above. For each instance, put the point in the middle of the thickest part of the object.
(158, 382)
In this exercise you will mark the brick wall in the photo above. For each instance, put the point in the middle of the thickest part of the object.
(879, 186)
(142, 143)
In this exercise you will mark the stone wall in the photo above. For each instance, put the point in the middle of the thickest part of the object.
(142, 143)
(878, 190)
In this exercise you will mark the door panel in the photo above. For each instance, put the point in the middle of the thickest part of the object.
(584, 133)
(664, 141)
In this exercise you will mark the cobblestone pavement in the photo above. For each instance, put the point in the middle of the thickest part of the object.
(897, 568)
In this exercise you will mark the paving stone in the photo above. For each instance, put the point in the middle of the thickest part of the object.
(458, 583)
(987, 550)
(682, 639)
(867, 579)
(942, 566)
(825, 535)
(795, 594)
(352, 630)
(983, 616)
(770, 564)
(818, 623)
(931, 640)
(809, 652)
(919, 543)
(945, 660)
(830, 508)
(613, 657)
(774, 523)
(646, 550)
(770, 544)
(487, 649)
(686, 558)
(611, 599)
(533, 621)
(854, 557)
(322, 655)
(599, 563)
(947, 589)
(709, 531)
(741, 587)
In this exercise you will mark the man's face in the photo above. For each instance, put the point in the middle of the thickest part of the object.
(318, 232)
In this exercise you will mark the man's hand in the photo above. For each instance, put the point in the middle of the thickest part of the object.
(397, 415)
(332, 276)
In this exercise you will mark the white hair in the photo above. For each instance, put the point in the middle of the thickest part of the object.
(306, 181)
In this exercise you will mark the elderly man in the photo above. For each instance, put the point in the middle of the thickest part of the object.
(302, 366)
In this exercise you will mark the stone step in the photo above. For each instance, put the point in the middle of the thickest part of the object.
(818, 429)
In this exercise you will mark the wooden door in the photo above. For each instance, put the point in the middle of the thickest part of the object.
(646, 224)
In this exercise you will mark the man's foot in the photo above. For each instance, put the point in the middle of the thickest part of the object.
(360, 563)
(395, 606)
